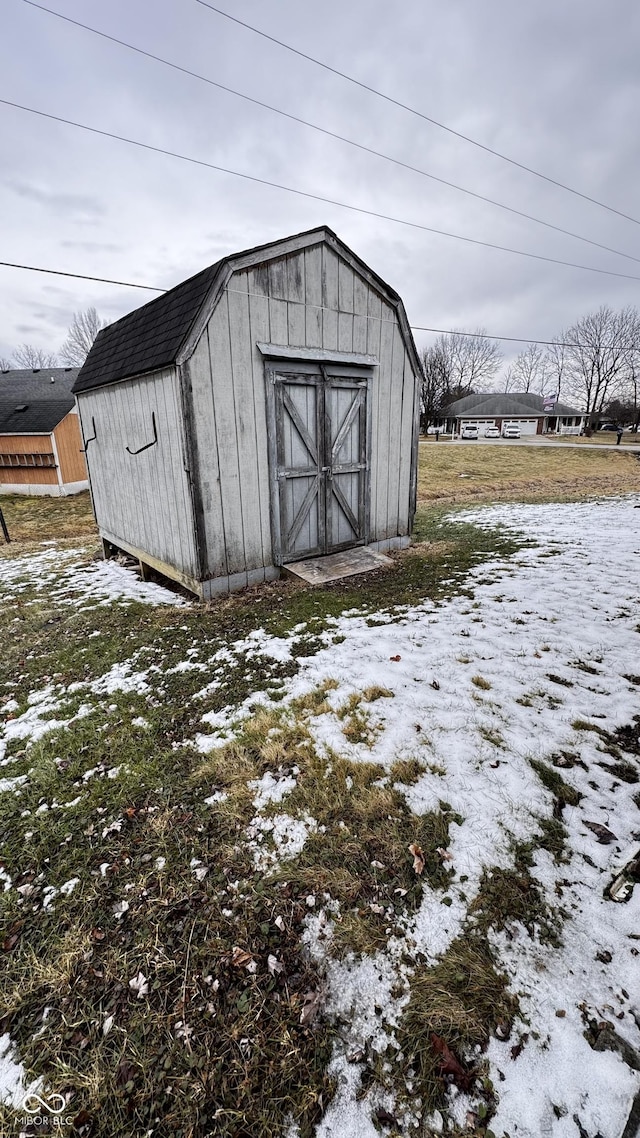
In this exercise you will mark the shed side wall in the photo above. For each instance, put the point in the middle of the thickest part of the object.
(309, 299)
(143, 499)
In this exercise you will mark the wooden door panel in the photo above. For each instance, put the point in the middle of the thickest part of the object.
(345, 428)
(300, 478)
(319, 444)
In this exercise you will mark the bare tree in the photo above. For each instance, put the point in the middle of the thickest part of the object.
(434, 388)
(5, 365)
(82, 332)
(27, 356)
(600, 348)
(458, 363)
(474, 360)
(528, 371)
(556, 369)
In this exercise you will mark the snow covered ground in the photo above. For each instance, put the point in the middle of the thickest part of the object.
(571, 603)
(547, 645)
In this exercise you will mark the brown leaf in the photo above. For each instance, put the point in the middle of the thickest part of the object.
(240, 958)
(604, 835)
(395, 658)
(444, 855)
(14, 932)
(418, 857)
(130, 811)
(449, 1065)
(517, 1047)
(310, 1008)
(383, 1116)
(98, 934)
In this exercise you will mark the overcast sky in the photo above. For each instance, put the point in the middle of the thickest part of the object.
(554, 86)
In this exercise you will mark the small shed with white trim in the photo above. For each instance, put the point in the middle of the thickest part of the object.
(262, 412)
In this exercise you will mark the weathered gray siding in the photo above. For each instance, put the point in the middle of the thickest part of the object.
(144, 500)
(309, 299)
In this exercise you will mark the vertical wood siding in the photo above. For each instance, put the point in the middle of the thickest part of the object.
(142, 499)
(308, 299)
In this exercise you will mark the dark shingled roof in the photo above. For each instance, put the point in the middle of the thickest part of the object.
(148, 338)
(151, 337)
(518, 404)
(47, 394)
(40, 417)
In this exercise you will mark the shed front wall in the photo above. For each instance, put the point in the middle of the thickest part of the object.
(143, 500)
(309, 299)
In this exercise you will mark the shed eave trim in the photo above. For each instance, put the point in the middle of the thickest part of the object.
(316, 355)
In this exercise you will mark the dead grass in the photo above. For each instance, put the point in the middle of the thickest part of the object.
(459, 1001)
(484, 474)
(600, 438)
(35, 519)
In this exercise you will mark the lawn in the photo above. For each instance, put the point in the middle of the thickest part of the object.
(456, 472)
(325, 861)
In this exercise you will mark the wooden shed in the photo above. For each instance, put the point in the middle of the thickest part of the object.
(40, 442)
(262, 412)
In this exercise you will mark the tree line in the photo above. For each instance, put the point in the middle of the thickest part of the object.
(594, 365)
(82, 332)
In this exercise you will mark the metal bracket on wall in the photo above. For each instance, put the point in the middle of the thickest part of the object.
(153, 441)
(83, 450)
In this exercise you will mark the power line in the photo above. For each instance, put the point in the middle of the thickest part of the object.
(419, 114)
(79, 276)
(322, 307)
(330, 133)
(316, 197)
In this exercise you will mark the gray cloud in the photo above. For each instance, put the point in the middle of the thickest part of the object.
(555, 86)
(78, 205)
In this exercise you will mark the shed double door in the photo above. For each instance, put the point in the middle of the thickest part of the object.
(321, 446)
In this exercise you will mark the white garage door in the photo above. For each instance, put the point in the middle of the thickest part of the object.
(528, 426)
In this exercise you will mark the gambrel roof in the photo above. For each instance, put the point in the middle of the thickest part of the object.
(154, 336)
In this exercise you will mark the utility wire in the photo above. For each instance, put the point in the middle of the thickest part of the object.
(79, 276)
(419, 114)
(316, 197)
(329, 133)
(322, 307)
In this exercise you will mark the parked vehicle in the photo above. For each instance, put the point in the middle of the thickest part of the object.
(607, 427)
(469, 432)
(510, 431)
(491, 433)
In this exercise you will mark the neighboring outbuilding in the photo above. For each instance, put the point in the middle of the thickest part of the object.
(262, 412)
(534, 414)
(40, 440)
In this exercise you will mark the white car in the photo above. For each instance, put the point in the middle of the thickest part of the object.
(511, 431)
(491, 433)
(469, 431)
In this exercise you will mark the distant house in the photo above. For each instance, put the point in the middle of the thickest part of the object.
(40, 440)
(534, 414)
(261, 413)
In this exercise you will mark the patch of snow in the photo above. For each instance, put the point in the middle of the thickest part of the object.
(13, 1086)
(11, 783)
(69, 886)
(287, 833)
(271, 788)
